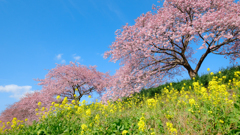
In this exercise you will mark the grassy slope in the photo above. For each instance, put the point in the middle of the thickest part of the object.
(150, 93)
(131, 113)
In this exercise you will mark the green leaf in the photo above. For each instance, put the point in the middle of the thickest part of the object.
(118, 127)
(41, 132)
(65, 134)
(66, 131)
(122, 127)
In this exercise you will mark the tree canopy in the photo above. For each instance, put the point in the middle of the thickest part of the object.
(160, 45)
(74, 81)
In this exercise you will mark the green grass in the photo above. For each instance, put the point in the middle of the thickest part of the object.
(210, 106)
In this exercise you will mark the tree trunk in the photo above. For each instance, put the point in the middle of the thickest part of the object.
(192, 74)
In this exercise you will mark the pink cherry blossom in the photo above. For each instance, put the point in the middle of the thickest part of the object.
(67, 80)
(25, 108)
(159, 45)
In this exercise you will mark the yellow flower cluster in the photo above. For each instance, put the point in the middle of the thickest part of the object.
(170, 128)
(58, 97)
(84, 128)
(88, 112)
(191, 102)
(141, 123)
(151, 103)
(215, 95)
(14, 125)
(168, 116)
(124, 132)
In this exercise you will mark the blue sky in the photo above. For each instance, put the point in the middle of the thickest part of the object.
(35, 35)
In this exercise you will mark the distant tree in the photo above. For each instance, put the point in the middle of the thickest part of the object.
(158, 45)
(68, 80)
(25, 108)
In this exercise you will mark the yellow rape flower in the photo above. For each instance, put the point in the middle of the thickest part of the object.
(84, 127)
(210, 112)
(73, 101)
(88, 112)
(153, 133)
(124, 132)
(221, 121)
(58, 97)
(191, 101)
(97, 117)
(141, 125)
(56, 105)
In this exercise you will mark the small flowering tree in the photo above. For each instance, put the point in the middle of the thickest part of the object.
(159, 46)
(73, 81)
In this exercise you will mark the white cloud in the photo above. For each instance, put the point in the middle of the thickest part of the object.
(63, 61)
(76, 57)
(59, 56)
(17, 91)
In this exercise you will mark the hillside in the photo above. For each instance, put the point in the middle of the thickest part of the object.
(208, 104)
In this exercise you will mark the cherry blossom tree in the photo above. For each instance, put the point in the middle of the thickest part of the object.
(25, 108)
(160, 44)
(64, 80)
(72, 79)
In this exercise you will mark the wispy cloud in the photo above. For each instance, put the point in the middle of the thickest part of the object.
(114, 8)
(100, 54)
(17, 91)
(63, 61)
(59, 56)
(76, 57)
(76, 6)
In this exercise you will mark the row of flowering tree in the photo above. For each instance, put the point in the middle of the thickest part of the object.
(156, 48)
(72, 81)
